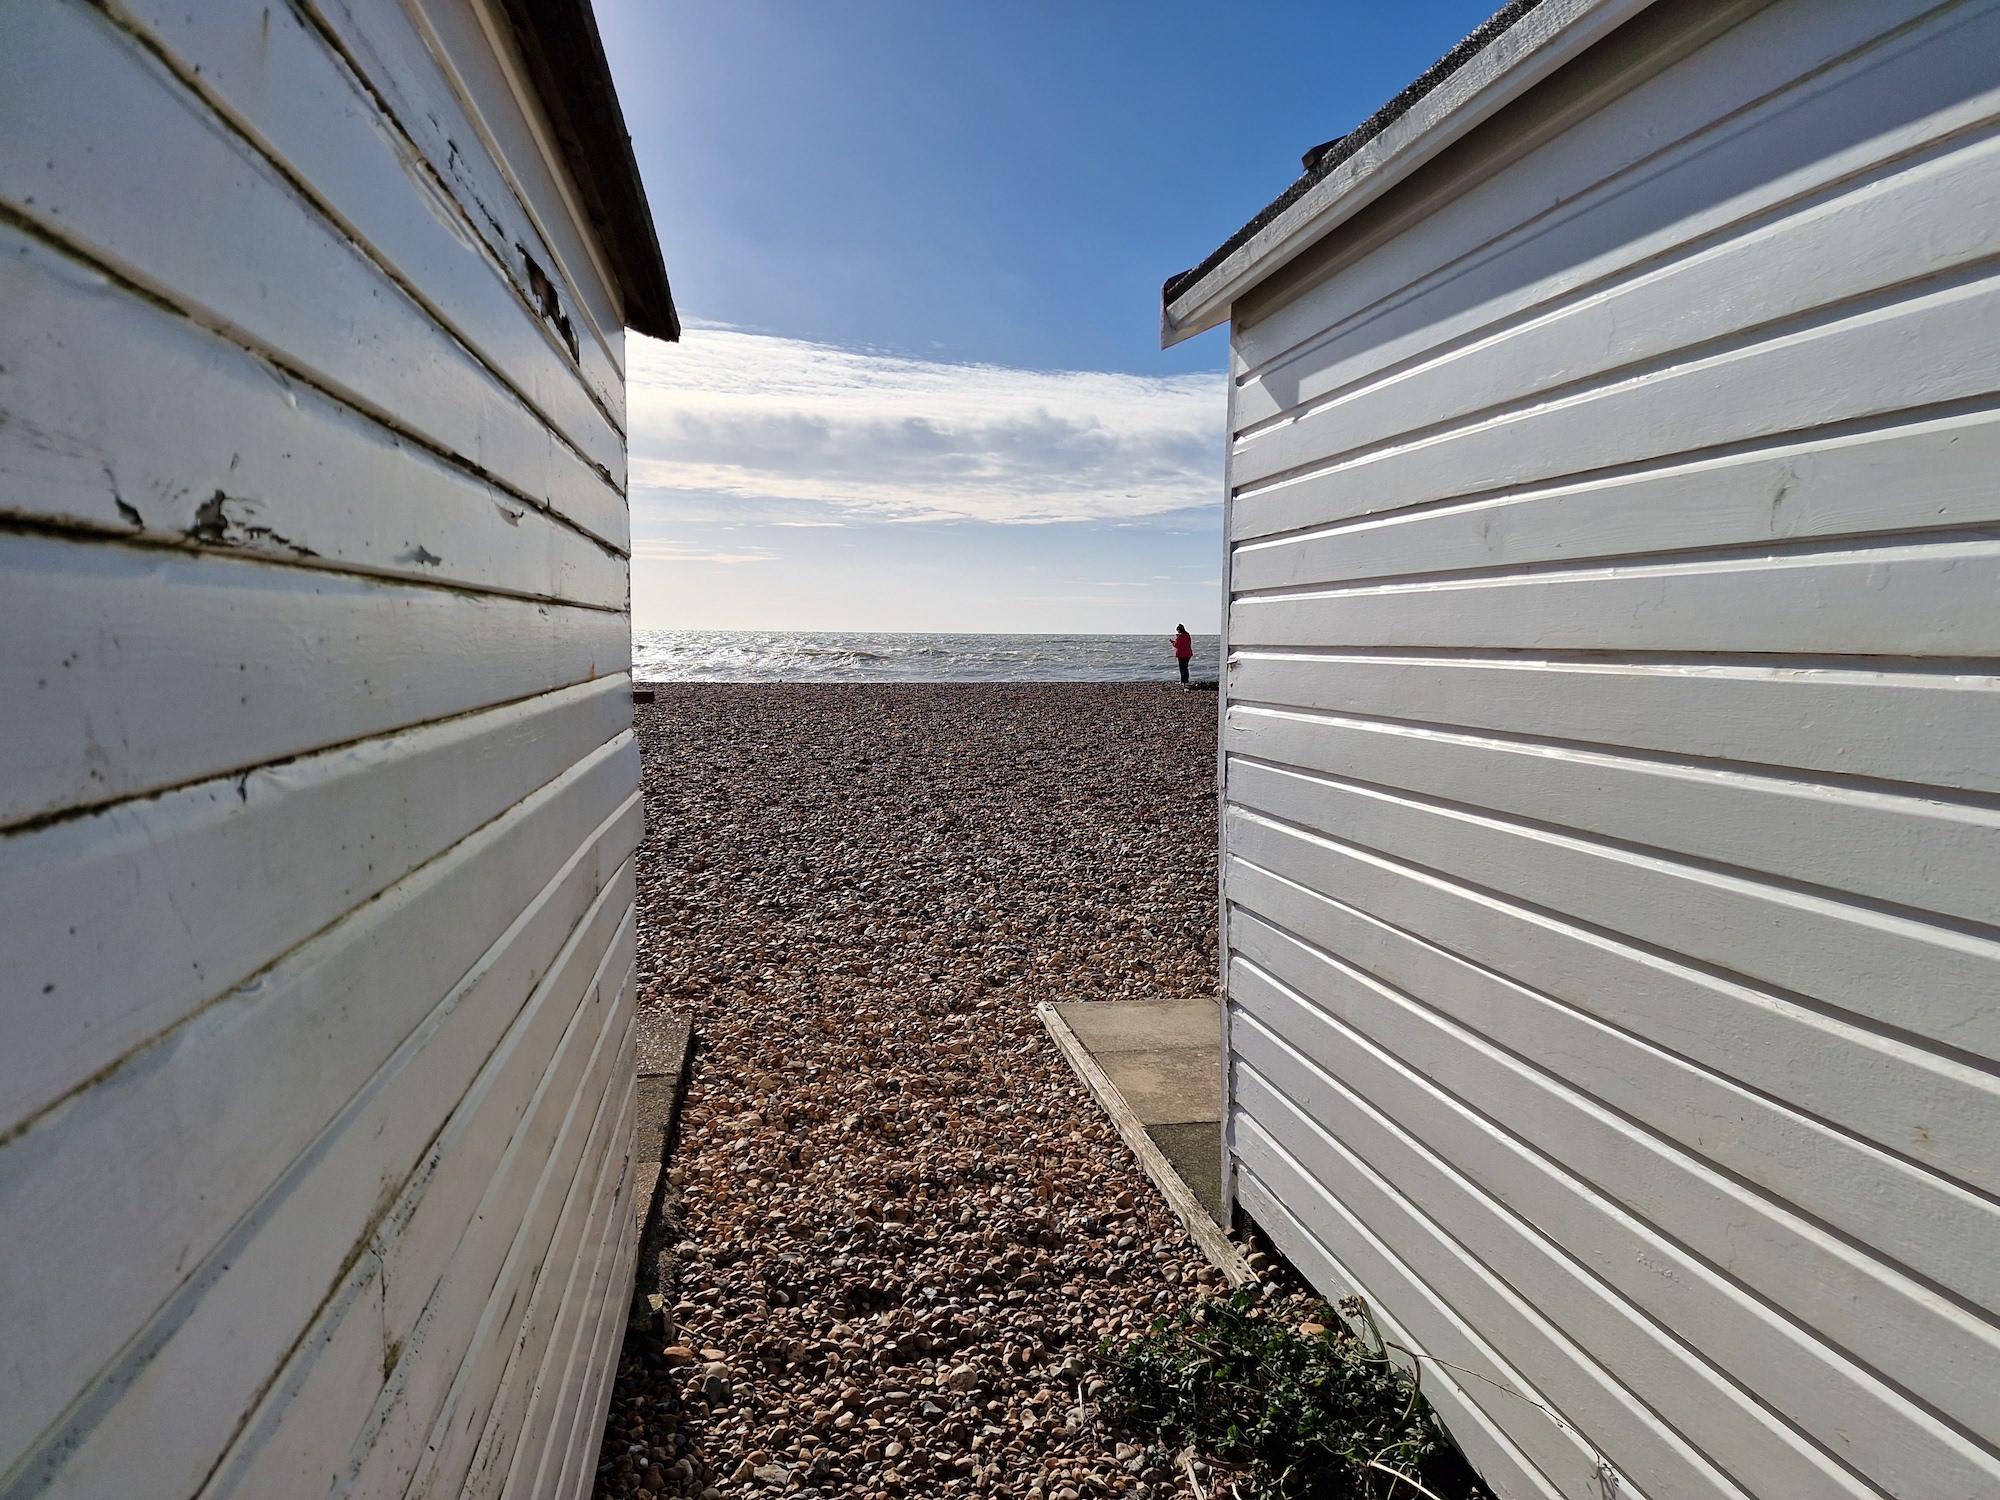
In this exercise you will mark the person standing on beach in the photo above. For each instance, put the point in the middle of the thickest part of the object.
(1183, 650)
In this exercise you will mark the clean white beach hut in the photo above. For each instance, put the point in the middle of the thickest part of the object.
(318, 794)
(1612, 760)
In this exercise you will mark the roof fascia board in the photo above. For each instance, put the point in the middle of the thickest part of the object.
(1542, 41)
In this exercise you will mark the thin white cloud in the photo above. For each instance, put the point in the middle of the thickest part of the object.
(754, 417)
(650, 550)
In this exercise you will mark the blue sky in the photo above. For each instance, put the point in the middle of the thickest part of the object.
(919, 249)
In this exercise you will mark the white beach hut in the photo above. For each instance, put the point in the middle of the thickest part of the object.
(318, 794)
(1612, 912)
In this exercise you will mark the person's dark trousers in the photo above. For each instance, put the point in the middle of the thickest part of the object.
(1184, 665)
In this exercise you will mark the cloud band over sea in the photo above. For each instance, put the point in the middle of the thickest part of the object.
(831, 433)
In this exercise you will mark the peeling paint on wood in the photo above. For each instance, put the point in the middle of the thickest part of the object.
(315, 1132)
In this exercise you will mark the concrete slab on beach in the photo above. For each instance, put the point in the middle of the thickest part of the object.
(1156, 1068)
(1163, 1055)
(664, 1044)
(1194, 1147)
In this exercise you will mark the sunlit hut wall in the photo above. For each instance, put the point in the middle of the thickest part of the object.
(1611, 741)
(318, 783)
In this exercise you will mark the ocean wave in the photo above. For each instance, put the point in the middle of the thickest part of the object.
(826, 656)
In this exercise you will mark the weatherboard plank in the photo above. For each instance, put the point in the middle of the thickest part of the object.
(1838, 255)
(568, 1466)
(80, 94)
(568, 1457)
(1862, 363)
(234, 455)
(313, 1409)
(1719, 141)
(1610, 747)
(1599, 1014)
(440, 67)
(213, 1358)
(1921, 597)
(1938, 1112)
(229, 875)
(322, 795)
(280, 82)
(1745, 1438)
(1912, 477)
(570, 1366)
(188, 1133)
(1332, 1193)
(174, 668)
(480, 1144)
(427, 1421)
(1893, 844)
(1905, 1373)
(1880, 719)
(543, 1368)
(1500, 1460)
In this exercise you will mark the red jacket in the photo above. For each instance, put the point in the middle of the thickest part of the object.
(1183, 645)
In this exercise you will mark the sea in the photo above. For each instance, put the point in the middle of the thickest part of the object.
(834, 656)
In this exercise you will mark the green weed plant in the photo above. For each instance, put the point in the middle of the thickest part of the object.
(1300, 1415)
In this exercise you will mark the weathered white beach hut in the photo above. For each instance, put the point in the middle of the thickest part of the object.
(318, 794)
(1612, 741)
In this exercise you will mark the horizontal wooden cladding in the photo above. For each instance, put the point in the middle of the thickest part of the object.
(543, 1367)
(83, 99)
(217, 1392)
(228, 875)
(1893, 843)
(569, 1462)
(443, 73)
(1880, 719)
(1919, 475)
(233, 454)
(1760, 980)
(1752, 1284)
(1844, 241)
(1914, 351)
(1610, 821)
(1405, 1261)
(264, 1358)
(530, 1442)
(430, 1421)
(1587, 1344)
(1693, 313)
(1795, 105)
(1924, 596)
(228, 1125)
(564, 1464)
(386, 1364)
(1605, 1019)
(280, 83)
(158, 668)
(1502, 1457)
(439, 68)
(556, 1450)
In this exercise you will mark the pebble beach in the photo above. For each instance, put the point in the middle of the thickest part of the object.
(905, 1232)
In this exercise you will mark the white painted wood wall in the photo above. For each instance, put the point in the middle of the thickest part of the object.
(1613, 761)
(318, 795)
